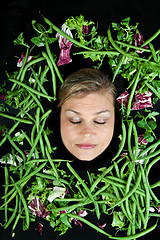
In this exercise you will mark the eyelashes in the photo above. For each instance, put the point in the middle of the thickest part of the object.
(75, 122)
(78, 122)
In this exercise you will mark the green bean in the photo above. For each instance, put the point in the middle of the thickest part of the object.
(122, 205)
(122, 143)
(154, 185)
(102, 175)
(129, 139)
(24, 101)
(154, 215)
(15, 118)
(117, 169)
(38, 82)
(46, 160)
(123, 168)
(107, 194)
(147, 197)
(136, 200)
(118, 67)
(16, 221)
(37, 126)
(51, 163)
(120, 49)
(45, 115)
(6, 189)
(8, 193)
(151, 38)
(150, 165)
(147, 160)
(70, 199)
(72, 207)
(31, 89)
(24, 204)
(129, 180)
(152, 89)
(16, 147)
(80, 190)
(128, 210)
(13, 214)
(36, 140)
(29, 64)
(85, 187)
(10, 131)
(133, 91)
(107, 52)
(150, 57)
(27, 106)
(52, 72)
(133, 218)
(146, 150)
(28, 115)
(153, 52)
(107, 180)
(136, 140)
(27, 177)
(21, 69)
(51, 177)
(33, 134)
(150, 187)
(66, 35)
(26, 137)
(44, 73)
(52, 60)
(129, 230)
(132, 46)
(140, 157)
(110, 178)
(88, 223)
(128, 194)
(47, 141)
(13, 192)
(137, 235)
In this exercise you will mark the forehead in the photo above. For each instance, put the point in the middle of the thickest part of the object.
(95, 101)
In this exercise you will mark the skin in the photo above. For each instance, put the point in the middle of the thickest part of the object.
(87, 124)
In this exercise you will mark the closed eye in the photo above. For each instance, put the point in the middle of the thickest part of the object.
(99, 122)
(75, 122)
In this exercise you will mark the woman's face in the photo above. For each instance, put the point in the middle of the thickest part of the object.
(87, 124)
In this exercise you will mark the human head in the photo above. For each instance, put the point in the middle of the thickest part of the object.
(85, 80)
(87, 101)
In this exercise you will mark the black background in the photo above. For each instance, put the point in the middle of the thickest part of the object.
(16, 17)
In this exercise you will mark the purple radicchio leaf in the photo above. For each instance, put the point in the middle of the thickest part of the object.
(37, 207)
(140, 101)
(138, 41)
(142, 140)
(21, 59)
(65, 46)
(85, 29)
(39, 228)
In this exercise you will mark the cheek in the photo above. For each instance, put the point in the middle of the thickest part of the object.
(67, 131)
(107, 134)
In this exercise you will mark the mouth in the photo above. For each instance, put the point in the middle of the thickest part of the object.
(86, 146)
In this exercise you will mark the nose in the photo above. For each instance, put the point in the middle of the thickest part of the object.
(87, 130)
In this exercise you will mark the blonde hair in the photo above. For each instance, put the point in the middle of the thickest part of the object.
(85, 80)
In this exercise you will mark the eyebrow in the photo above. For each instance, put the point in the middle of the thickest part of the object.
(97, 113)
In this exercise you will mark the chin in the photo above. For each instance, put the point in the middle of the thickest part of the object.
(87, 159)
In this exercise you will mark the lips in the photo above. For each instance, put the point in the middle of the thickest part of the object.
(86, 146)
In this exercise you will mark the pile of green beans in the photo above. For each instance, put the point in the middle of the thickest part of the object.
(124, 185)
